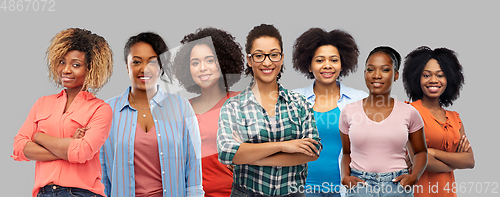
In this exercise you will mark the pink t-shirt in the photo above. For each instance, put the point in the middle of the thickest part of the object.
(379, 146)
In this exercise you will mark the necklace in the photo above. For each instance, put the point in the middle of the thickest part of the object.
(132, 99)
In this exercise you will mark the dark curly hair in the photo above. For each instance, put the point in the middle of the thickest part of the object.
(395, 56)
(160, 48)
(306, 45)
(98, 56)
(262, 31)
(229, 57)
(447, 59)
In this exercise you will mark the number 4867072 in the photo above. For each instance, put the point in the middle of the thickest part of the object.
(28, 5)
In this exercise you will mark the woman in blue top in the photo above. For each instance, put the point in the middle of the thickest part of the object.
(154, 145)
(326, 56)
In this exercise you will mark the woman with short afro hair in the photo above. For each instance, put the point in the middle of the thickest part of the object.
(64, 132)
(325, 57)
(433, 80)
(208, 63)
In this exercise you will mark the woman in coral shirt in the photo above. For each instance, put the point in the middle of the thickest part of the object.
(433, 79)
(209, 63)
(64, 132)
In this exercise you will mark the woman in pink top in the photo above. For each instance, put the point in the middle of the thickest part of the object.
(215, 63)
(375, 132)
(64, 132)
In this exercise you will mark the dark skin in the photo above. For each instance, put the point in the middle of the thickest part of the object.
(72, 69)
(439, 160)
(286, 153)
(379, 77)
(143, 70)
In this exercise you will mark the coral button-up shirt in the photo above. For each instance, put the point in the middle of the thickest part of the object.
(82, 169)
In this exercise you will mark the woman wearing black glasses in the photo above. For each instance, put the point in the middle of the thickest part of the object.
(267, 132)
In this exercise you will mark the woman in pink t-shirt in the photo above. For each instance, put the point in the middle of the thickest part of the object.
(375, 132)
(209, 62)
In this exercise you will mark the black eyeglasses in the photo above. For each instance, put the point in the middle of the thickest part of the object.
(260, 57)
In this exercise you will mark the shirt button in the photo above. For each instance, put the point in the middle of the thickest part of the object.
(156, 120)
(54, 187)
(163, 172)
(161, 153)
(159, 135)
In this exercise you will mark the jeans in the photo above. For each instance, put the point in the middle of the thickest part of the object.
(379, 184)
(238, 191)
(319, 194)
(59, 191)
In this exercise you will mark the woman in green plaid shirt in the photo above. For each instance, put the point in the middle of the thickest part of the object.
(267, 132)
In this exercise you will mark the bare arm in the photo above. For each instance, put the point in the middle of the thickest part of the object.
(419, 147)
(345, 171)
(463, 158)
(285, 159)
(35, 152)
(57, 146)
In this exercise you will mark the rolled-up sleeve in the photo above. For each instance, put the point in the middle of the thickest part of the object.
(227, 145)
(25, 134)
(193, 173)
(84, 149)
(309, 124)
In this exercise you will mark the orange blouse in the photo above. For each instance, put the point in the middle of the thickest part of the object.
(442, 136)
(82, 169)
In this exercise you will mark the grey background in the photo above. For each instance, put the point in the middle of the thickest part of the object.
(469, 28)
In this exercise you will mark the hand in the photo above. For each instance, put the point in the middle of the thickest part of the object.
(80, 132)
(406, 180)
(351, 181)
(463, 145)
(304, 146)
(431, 151)
(230, 167)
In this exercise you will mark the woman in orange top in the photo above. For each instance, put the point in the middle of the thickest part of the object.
(64, 132)
(433, 79)
(209, 63)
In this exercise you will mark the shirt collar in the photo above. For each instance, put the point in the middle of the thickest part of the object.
(247, 95)
(344, 91)
(81, 95)
(157, 98)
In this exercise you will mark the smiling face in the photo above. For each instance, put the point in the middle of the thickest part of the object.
(143, 67)
(72, 69)
(380, 74)
(204, 67)
(326, 65)
(267, 71)
(433, 81)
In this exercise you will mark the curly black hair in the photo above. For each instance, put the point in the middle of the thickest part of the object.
(160, 48)
(447, 59)
(395, 56)
(229, 57)
(306, 45)
(262, 30)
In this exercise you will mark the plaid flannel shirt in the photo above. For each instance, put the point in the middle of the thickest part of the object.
(243, 120)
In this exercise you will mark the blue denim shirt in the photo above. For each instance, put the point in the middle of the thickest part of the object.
(347, 94)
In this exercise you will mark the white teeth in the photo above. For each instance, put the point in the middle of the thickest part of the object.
(267, 71)
(204, 77)
(144, 78)
(433, 89)
(328, 74)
